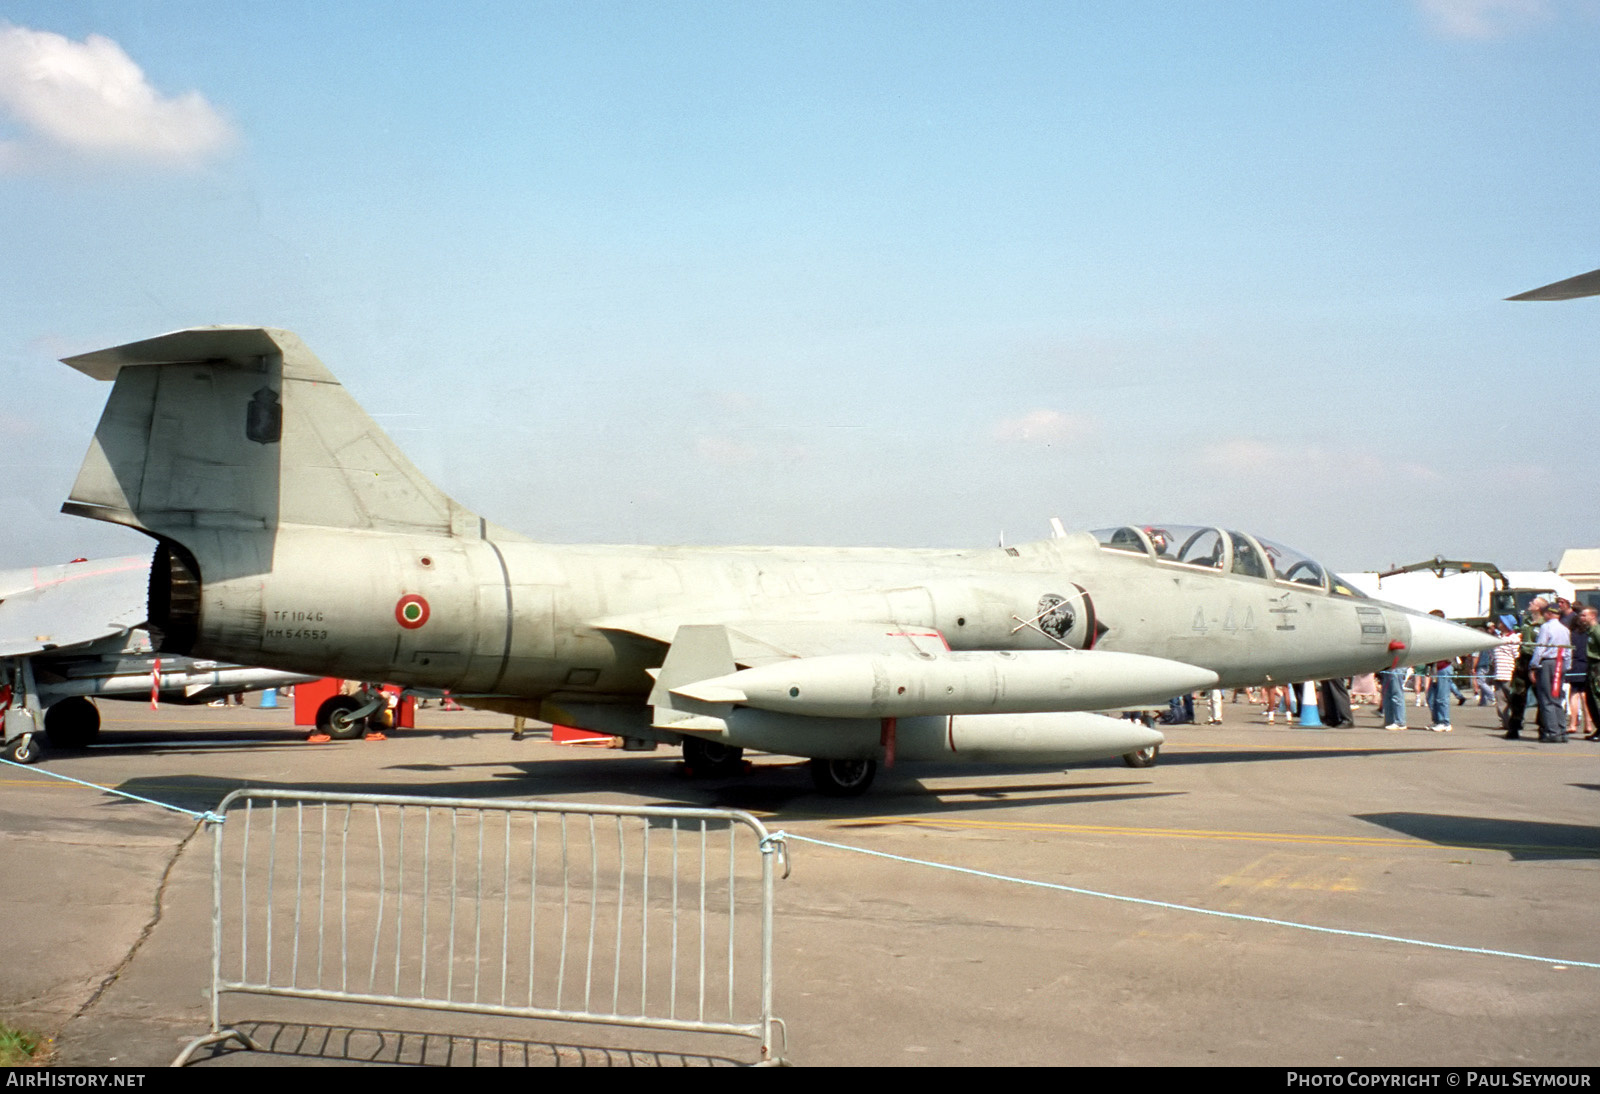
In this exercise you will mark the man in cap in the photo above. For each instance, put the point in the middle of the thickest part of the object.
(1552, 655)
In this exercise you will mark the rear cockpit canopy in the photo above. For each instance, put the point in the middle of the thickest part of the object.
(1219, 551)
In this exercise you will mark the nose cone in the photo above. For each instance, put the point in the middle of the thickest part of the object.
(1435, 639)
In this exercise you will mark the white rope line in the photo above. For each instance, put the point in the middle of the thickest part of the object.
(1191, 908)
(207, 816)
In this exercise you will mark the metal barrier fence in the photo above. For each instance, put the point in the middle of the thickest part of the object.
(633, 916)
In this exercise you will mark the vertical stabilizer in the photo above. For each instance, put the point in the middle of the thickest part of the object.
(242, 429)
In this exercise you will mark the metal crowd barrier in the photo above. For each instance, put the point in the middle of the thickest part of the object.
(631, 916)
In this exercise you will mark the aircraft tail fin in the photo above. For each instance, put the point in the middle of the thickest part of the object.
(218, 429)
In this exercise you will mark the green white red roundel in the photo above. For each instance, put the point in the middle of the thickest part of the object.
(411, 611)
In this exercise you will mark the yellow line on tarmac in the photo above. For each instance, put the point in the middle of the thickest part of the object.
(136, 725)
(1442, 746)
(1282, 746)
(1119, 830)
(1209, 834)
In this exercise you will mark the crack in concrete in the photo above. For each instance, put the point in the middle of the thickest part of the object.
(149, 927)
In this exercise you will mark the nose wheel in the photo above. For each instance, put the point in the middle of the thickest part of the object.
(22, 749)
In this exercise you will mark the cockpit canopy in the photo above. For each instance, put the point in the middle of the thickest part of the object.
(1223, 552)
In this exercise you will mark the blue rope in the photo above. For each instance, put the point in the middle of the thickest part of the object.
(208, 815)
(1191, 908)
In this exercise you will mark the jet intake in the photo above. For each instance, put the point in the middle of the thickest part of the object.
(978, 682)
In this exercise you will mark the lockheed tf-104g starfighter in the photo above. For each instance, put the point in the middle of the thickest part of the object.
(293, 533)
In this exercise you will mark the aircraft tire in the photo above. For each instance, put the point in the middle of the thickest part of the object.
(843, 778)
(712, 757)
(333, 718)
(72, 723)
(1142, 757)
(22, 749)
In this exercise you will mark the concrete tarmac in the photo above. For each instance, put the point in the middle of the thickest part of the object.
(1461, 839)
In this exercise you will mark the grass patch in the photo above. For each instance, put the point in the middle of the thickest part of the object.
(17, 1046)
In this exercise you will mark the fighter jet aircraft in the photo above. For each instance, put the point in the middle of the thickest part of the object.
(293, 533)
(76, 631)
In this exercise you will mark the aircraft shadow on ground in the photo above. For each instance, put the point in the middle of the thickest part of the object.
(768, 788)
(418, 1048)
(1258, 755)
(250, 739)
(1522, 839)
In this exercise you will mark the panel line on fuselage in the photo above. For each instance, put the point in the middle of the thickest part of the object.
(511, 616)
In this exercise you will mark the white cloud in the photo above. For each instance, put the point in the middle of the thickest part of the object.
(1483, 19)
(1239, 455)
(1271, 466)
(724, 451)
(91, 100)
(1045, 426)
(736, 403)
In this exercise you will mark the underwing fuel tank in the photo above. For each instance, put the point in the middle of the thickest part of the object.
(963, 683)
(1030, 738)
(978, 738)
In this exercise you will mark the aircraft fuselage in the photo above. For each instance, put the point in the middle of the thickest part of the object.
(511, 617)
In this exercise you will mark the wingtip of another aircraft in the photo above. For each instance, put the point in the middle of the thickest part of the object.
(1572, 288)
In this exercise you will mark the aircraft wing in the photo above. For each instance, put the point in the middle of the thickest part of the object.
(754, 642)
(65, 606)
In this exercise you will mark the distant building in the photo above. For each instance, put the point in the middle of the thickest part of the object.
(1581, 566)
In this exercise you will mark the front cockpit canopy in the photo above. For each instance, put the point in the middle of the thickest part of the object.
(1222, 551)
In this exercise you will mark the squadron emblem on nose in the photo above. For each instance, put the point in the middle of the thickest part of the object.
(1055, 616)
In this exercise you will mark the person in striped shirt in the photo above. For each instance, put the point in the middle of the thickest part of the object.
(1505, 663)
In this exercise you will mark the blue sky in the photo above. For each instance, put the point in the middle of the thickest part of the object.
(913, 274)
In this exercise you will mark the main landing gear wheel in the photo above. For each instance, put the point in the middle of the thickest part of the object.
(72, 723)
(843, 778)
(1142, 757)
(22, 749)
(712, 757)
(333, 717)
